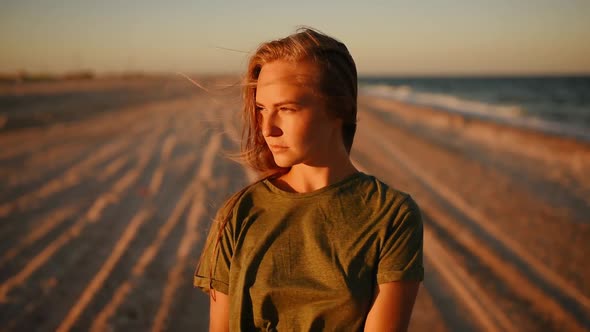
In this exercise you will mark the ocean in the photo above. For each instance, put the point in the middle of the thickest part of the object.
(556, 104)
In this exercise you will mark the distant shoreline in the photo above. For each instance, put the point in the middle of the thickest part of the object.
(24, 76)
(88, 75)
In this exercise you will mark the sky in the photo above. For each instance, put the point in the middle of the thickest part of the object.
(391, 37)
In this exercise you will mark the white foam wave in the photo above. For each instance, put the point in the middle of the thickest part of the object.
(513, 115)
(448, 102)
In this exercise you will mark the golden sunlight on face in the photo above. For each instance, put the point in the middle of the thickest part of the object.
(294, 123)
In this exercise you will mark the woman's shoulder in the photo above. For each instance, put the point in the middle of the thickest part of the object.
(243, 198)
(390, 195)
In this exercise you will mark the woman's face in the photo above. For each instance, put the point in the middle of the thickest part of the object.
(294, 122)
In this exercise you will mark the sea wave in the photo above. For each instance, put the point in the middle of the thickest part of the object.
(513, 115)
(448, 102)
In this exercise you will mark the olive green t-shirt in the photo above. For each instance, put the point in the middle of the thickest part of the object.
(311, 261)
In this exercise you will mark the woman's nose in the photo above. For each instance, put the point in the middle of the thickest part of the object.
(270, 127)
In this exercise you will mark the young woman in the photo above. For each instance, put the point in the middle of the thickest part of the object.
(315, 244)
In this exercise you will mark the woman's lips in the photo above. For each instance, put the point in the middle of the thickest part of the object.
(277, 147)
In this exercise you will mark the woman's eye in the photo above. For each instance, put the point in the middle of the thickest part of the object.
(286, 109)
(258, 108)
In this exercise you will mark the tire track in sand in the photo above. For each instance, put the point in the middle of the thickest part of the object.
(122, 244)
(86, 170)
(70, 177)
(136, 126)
(42, 227)
(30, 140)
(101, 321)
(165, 154)
(37, 165)
(92, 215)
(85, 135)
(191, 235)
(97, 282)
(34, 306)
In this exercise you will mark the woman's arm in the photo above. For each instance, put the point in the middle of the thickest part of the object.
(392, 306)
(218, 312)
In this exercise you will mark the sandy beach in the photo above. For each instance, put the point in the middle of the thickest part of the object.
(108, 187)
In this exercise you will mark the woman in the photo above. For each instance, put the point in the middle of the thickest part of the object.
(315, 244)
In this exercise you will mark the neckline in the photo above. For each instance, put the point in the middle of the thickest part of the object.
(316, 192)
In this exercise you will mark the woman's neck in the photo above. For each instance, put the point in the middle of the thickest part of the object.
(303, 178)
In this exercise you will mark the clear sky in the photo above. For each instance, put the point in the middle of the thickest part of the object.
(384, 37)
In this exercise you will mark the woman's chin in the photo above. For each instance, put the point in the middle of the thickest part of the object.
(283, 161)
(283, 164)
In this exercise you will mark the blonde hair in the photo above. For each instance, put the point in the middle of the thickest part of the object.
(336, 86)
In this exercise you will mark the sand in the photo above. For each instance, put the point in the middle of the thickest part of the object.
(103, 215)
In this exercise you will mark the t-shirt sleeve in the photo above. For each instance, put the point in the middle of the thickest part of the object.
(214, 265)
(400, 257)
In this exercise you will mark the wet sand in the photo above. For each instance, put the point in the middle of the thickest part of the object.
(102, 216)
